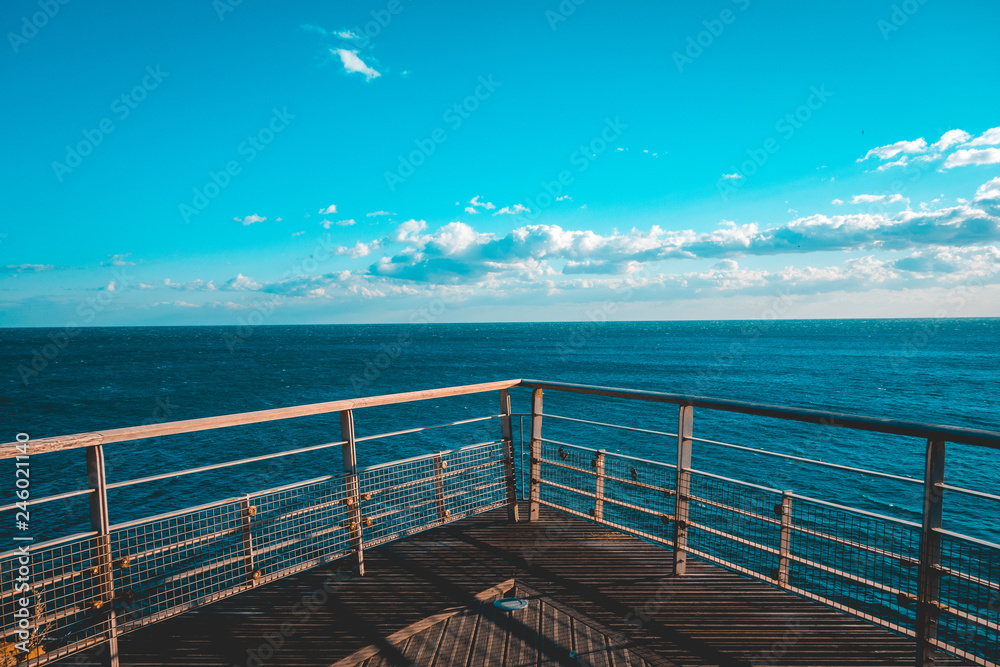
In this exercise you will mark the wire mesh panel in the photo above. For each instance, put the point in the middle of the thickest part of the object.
(168, 565)
(864, 565)
(969, 618)
(631, 494)
(736, 524)
(297, 528)
(405, 497)
(67, 601)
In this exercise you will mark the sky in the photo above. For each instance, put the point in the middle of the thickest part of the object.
(242, 162)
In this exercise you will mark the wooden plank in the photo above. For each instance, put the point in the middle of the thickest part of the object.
(557, 633)
(591, 649)
(77, 440)
(523, 628)
(422, 626)
(423, 646)
(457, 640)
(491, 637)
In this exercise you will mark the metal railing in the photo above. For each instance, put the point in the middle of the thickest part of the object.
(84, 590)
(940, 587)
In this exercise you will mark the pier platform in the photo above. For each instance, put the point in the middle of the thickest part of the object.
(596, 597)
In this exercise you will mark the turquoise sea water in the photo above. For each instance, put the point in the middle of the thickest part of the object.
(938, 371)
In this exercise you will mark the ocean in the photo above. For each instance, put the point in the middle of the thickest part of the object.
(942, 371)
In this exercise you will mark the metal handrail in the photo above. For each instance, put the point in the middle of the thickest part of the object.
(968, 436)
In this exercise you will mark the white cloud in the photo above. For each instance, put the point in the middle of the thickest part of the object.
(990, 137)
(967, 156)
(734, 177)
(279, 219)
(458, 254)
(949, 139)
(240, 283)
(30, 268)
(358, 250)
(513, 210)
(476, 203)
(191, 286)
(185, 304)
(564, 198)
(989, 192)
(111, 287)
(352, 63)
(118, 260)
(329, 210)
(326, 224)
(250, 219)
(837, 202)
(346, 34)
(470, 210)
(375, 214)
(294, 234)
(868, 199)
(892, 150)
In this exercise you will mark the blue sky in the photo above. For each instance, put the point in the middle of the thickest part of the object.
(303, 162)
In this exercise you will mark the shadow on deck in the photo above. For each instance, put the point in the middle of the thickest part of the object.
(617, 589)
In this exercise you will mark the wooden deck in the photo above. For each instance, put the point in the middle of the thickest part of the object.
(596, 598)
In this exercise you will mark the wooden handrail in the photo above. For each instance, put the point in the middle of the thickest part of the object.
(894, 426)
(78, 440)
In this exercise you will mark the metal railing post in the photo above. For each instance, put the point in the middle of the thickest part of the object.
(785, 545)
(520, 435)
(507, 435)
(930, 553)
(351, 490)
(535, 477)
(439, 466)
(599, 485)
(99, 521)
(247, 512)
(684, 429)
